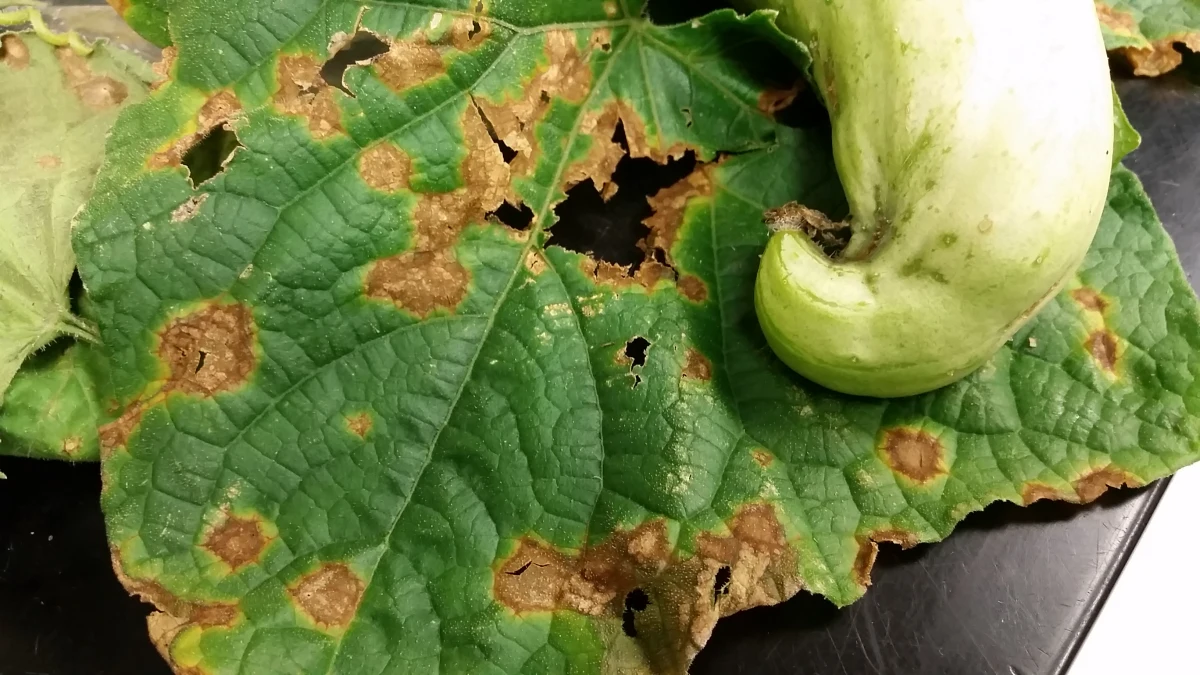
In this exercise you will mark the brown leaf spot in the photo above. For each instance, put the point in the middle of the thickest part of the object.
(49, 162)
(642, 145)
(162, 68)
(535, 263)
(188, 210)
(1118, 22)
(121, 6)
(864, 561)
(772, 101)
(94, 90)
(209, 351)
(330, 595)
(1090, 486)
(174, 614)
(420, 282)
(914, 453)
(1162, 56)
(218, 110)
(603, 156)
(1105, 350)
(360, 424)
(429, 277)
(697, 366)
(762, 457)
(467, 33)
(237, 541)
(693, 288)
(14, 52)
(904, 539)
(72, 445)
(408, 64)
(566, 73)
(648, 275)
(1034, 491)
(684, 594)
(304, 93)
(1089, 299)
(115, 434)
(385, 167)
(670, 205)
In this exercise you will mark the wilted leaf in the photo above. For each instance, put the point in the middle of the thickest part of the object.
(56, 109)
(51, 411)
(1149, 33)
(366, 428)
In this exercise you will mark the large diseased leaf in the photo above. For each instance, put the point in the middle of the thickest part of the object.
(1148, 32)
(366, 428)
(56, 109)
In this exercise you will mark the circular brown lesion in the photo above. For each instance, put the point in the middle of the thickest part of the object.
(915, 454)
(209, 351)
(237, 541)
(329, 596)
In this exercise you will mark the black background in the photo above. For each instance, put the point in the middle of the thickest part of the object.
(1012, 592)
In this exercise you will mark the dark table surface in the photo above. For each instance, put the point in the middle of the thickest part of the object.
(1012, 592)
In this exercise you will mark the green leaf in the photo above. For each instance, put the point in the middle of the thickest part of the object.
(147, 17)
(366, 428)
(1126, 139)
(1148, 31)
(51, 410)
(57, 108)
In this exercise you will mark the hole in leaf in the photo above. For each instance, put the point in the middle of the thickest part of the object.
(475, 28)
(627, 623)
(636, 601)
(505, 151)
(687, 115)
(206, 159)
(517, 217)
(201, 360)
(363, 46)
(721, 584)
(805, 112)
(672, 11)
(635, 351)
(520, 570)
(611, 230)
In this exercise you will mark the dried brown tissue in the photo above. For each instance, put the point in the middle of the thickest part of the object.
(697, 366)
(237, 541)
(206, 352)
(428, 276)
(221, 108)
(763, 570)
(1161, 57)
(914, 453)
(209, 351)
(564, 74)
(304, 93)
(174, 614)
(96, 91)
(1104, 349)
(360, 424)
(669, 206)
(330, 595)
(14, 53)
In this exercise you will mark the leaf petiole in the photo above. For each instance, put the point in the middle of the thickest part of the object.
(31, 15)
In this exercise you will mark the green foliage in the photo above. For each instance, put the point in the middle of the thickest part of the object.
(51, 411)
(57, 107)
(365, 428)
